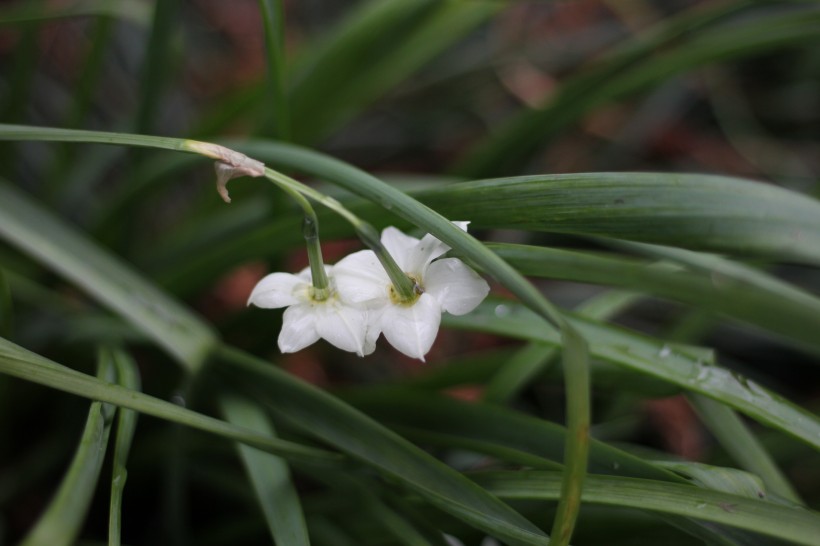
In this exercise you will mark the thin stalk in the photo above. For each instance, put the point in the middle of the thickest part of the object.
(404, 286)
(128, 377)
(321, 285)
(310, 230)
(576, 450)
(241, 165)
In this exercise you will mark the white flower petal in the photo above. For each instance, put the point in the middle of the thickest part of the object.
(277, 290)
(374, 329)
(457, 288)
(360, 277)
(412, 329)
(399, 245)
(298, 329)
(427, 250)
(342, 325)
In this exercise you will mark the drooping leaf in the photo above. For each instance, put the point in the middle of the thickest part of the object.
(108, 279)
(798, 525)
(334, 422)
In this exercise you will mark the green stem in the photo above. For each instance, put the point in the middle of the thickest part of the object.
(310, 229)
(404, 285)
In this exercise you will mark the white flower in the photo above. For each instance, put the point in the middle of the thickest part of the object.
(445, 285)
(306, 319)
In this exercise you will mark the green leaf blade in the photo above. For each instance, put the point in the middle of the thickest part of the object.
(784, 522)
(269, 475)
(332, 421)
(63, 519)
(115, 284)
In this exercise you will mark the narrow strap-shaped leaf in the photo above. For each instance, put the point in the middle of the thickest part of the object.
(492, 425)
(701, 212)
(576, 451)
(784, 522)
(63, 519)
(18, 362)
(115, 284)
(269, 475)
(273, 20)
(646, 355)
(128, 377)
(735, 437)
(533, 357)
(327, 418)
(718, 285)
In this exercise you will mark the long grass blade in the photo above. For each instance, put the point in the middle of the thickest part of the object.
(23, 364)
(533, 358)
(269, 475)
(797, 525)
(739, 292)
(330, 420)
(575, 358)
(678, 365)
(63, 519)
(128, 377)
(499, 432)
(736, 438)
(115, 284)
(701, 212)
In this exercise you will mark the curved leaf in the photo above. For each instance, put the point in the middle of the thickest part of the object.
(269, 475)
(763, 300)
(56, 244)
(330, 420)
(63, 519)
(784, 522)
(128, 377)
(500, 432)
(678, 365)
(18, 362)
(697, 211)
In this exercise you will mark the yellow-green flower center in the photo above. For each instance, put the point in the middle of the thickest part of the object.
(418, 290)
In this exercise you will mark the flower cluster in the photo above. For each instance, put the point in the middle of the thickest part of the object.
(362, 303)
